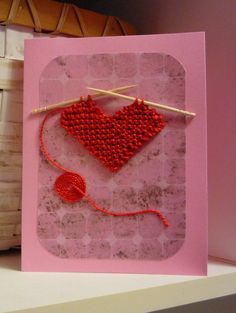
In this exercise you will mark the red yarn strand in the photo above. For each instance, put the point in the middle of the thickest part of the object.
(132, 213)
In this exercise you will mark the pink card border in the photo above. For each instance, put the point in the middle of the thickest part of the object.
(189, 49)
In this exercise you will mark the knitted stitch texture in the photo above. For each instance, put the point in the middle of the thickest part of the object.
(112, 139)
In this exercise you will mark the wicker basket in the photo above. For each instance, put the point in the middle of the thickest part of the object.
(23, 20)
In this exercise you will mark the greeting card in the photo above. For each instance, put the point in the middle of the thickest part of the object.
(115, 181)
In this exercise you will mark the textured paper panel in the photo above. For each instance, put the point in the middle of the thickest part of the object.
(153, 178)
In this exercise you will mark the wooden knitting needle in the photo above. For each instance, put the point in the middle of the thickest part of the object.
(157, 105)
(67, 102)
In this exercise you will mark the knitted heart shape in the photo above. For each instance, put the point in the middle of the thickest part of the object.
(113, 139)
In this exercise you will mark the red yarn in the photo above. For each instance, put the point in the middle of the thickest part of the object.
(112, 213)
(70, 186)
(112, 139)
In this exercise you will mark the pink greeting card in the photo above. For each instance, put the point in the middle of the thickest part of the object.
(117, 186)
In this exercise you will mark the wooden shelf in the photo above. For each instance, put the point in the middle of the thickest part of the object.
(79, 292)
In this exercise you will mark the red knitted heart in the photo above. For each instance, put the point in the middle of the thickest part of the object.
(112, 139)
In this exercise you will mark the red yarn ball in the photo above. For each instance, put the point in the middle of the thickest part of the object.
(70, 187)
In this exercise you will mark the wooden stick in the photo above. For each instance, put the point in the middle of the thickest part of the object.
(67, 102)
(157, 105)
